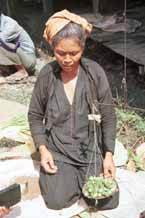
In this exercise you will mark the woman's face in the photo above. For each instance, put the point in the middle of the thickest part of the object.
(68, 53)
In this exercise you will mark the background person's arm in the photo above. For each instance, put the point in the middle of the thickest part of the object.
(10, 29)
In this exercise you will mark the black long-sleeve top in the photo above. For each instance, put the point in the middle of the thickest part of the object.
(64, 128)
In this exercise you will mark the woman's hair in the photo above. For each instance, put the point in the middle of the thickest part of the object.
(72, 30)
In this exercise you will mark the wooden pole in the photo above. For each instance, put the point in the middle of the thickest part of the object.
(95, 6)
(47, 6)
(10, 5)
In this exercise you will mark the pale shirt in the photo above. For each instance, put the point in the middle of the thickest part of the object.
(70, 89)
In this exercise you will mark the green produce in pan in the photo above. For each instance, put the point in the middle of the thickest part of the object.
(99, 187)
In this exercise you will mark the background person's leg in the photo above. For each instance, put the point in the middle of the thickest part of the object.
(8, 58)
(7, 61)
(27, 60)
(60, 190)
(4, 70)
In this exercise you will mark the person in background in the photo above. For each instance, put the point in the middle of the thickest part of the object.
(16, 48)
(59, 114)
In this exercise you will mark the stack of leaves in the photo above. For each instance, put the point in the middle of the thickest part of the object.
(135, 162)
(14, 132)
(20, 121)
(99, 187)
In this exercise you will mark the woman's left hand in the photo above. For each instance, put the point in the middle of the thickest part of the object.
(109, 168)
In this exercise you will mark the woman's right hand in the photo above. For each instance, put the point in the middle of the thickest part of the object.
(47, 161)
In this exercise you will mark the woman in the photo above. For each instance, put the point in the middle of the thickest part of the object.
(62, 101)
(16, 48)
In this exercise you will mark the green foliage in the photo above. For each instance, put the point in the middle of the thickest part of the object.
(127, 119)
(85, 215)
(138, 160)
(21, 121)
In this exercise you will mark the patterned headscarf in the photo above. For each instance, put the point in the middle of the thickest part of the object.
(59, 20)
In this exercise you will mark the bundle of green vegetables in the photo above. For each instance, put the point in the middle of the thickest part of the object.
(99, 187)
(20, 121)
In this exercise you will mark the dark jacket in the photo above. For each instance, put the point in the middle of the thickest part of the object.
(51, 128)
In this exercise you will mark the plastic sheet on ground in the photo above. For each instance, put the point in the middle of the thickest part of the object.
(132, 197)
(120, 154)
(36, 208)
(11, 169)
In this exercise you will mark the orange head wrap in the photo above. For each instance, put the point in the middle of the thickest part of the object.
(59, 20)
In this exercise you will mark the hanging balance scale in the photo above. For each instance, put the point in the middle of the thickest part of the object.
(97, 187)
